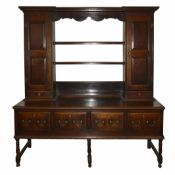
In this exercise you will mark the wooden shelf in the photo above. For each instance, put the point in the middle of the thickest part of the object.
(87, 42)
(121, 63)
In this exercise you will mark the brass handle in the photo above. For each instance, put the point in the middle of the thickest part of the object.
(150, 123)
(66, 121)
(44, 121)
(129, 53)
(110, 121)
(117, 121)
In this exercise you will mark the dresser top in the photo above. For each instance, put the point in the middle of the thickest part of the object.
(89, 103)
(123, 8)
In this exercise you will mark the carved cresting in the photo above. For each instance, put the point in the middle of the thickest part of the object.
(83, 13)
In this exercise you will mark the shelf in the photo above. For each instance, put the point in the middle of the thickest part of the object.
(122, 63)
(87, 42)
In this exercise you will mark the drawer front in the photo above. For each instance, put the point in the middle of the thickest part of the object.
(33, 121)
(70, 120)
(107, 121)
(145, 122)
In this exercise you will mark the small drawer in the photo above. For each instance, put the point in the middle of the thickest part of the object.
(70, 120)
(39, 94)
(144, 121)
(107, 121)
(139, 94)
(33, 121)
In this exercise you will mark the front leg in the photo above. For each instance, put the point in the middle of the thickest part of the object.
(29, 143)
(159, 158)
(89, 153)
(18, 157)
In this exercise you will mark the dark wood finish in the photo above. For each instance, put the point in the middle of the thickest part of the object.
(108, 121)
(38, 55)
(139, 60)
(88, 110)
(90, 89)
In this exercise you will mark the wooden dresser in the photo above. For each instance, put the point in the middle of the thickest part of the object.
(89, 110)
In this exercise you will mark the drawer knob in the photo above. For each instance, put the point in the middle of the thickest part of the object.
(29, 121)
(136, 122)
(117, 121)
(38, 121)
(44, 121)
(110, 122)
(66, 121)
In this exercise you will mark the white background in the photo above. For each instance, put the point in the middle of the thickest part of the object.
(69, 156)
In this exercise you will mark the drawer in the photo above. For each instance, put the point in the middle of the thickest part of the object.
(145, 121)
(107, 120)
(32, 121)
(70, 120)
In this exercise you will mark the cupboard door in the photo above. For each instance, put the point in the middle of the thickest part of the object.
(38, 55)
(139, 43)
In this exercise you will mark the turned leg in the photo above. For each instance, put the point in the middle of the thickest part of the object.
(89, 153)
(19, 152)
(159, 157)
(149, 143)
(18, 157)
(29, 143)
(158, 152)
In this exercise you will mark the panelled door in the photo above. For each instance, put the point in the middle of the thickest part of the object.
(139, 45)
(38, 55)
